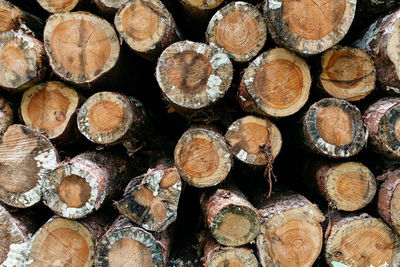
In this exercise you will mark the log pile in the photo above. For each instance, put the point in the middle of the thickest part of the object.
(200, 133)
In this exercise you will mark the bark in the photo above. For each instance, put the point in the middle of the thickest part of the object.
(371, 10)
(108, 8)
(6, 115)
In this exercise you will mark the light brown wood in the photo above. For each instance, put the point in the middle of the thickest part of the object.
(129, 252)
(239, 29)
(253, 140)
(347, 73)
(92, 49)
(277, 83)
(10, 16)
(74, 191)
(202, 157)
(6, 115)
(54, 6)
(108, 8)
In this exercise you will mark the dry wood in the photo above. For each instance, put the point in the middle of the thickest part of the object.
(309, 27)
(381, 43)
(193, 75)
(62, 242)
(50, 108)
(25, 159)
(277, 83)
(239, 29)
(253, 140)
(334, 128)
(22, 61)
(79, 186)
(108, 8)
(360, 240)
(126, 244)
(92, 49)
(232, 220)
(290, 222)
(202, 157)
(347, 73)
(151, 200)
(200, 11)
(347, 186)
(6, 115)
(147, 27)
(383, 122)
(389, 199)
(110, 118)
(54, 6)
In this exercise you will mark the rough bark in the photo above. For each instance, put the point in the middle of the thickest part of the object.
(309, 27)
(6, 115)
(125, 242)
(277, 84)
(383, 123)
(334, 128)
(79, 186)
(239, 30)
(193, 76)
(360, 240)
(202, 157)
(151, 200)
(26, 157)
(283, 213)
(381, 43)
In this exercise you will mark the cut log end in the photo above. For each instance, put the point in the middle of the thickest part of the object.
(10, 17)
(202, 157)
(110, 7)
(187, 69)
(49, 107)
(361, 241)
(202, 4)
(347, 73)
(231, 257)
(64, 242)
(101, 129)
(253, 140)
(6, 115)
(21, 60)
(52, 6)
(239, 29)
(334, 128)
(25, 158)
(277, 83)
(92, 51)
(309, 27)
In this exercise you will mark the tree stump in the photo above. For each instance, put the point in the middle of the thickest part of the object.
(334, 128)
(202, 157)
(277, 83)
(289, 223)
(25, 159)
(6, 115)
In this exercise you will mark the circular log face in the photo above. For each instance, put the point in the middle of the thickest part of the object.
(54, 6)
(74, 191)
(92, 48)
(202, 157)
(395, 209)
(129, 252)
(232, 257)
(389, 130)
(239, 29)
(10, 16)
(347, 73)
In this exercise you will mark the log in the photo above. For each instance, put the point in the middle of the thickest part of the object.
(360, 240)
(347, 186)
(216, 255)
(52, 6)
(383, 122)
(22, 61)
(6, 115)
(25, 159)
(309, 27)
(199, 12)
(50, 108)
(91, 52)
(202, 157)
(15, 232)
(79, 186)
(126, 243)
(151, 200)
(108, 8)
(254, 141)
(124, 124)
(277, 83)
(381, 43)
(291, 234)
(334, 128)
(62, 242)
(239, 30)
(389, 198)
(147, 27)
(347, 73)
(231, 218)
(193, 75)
